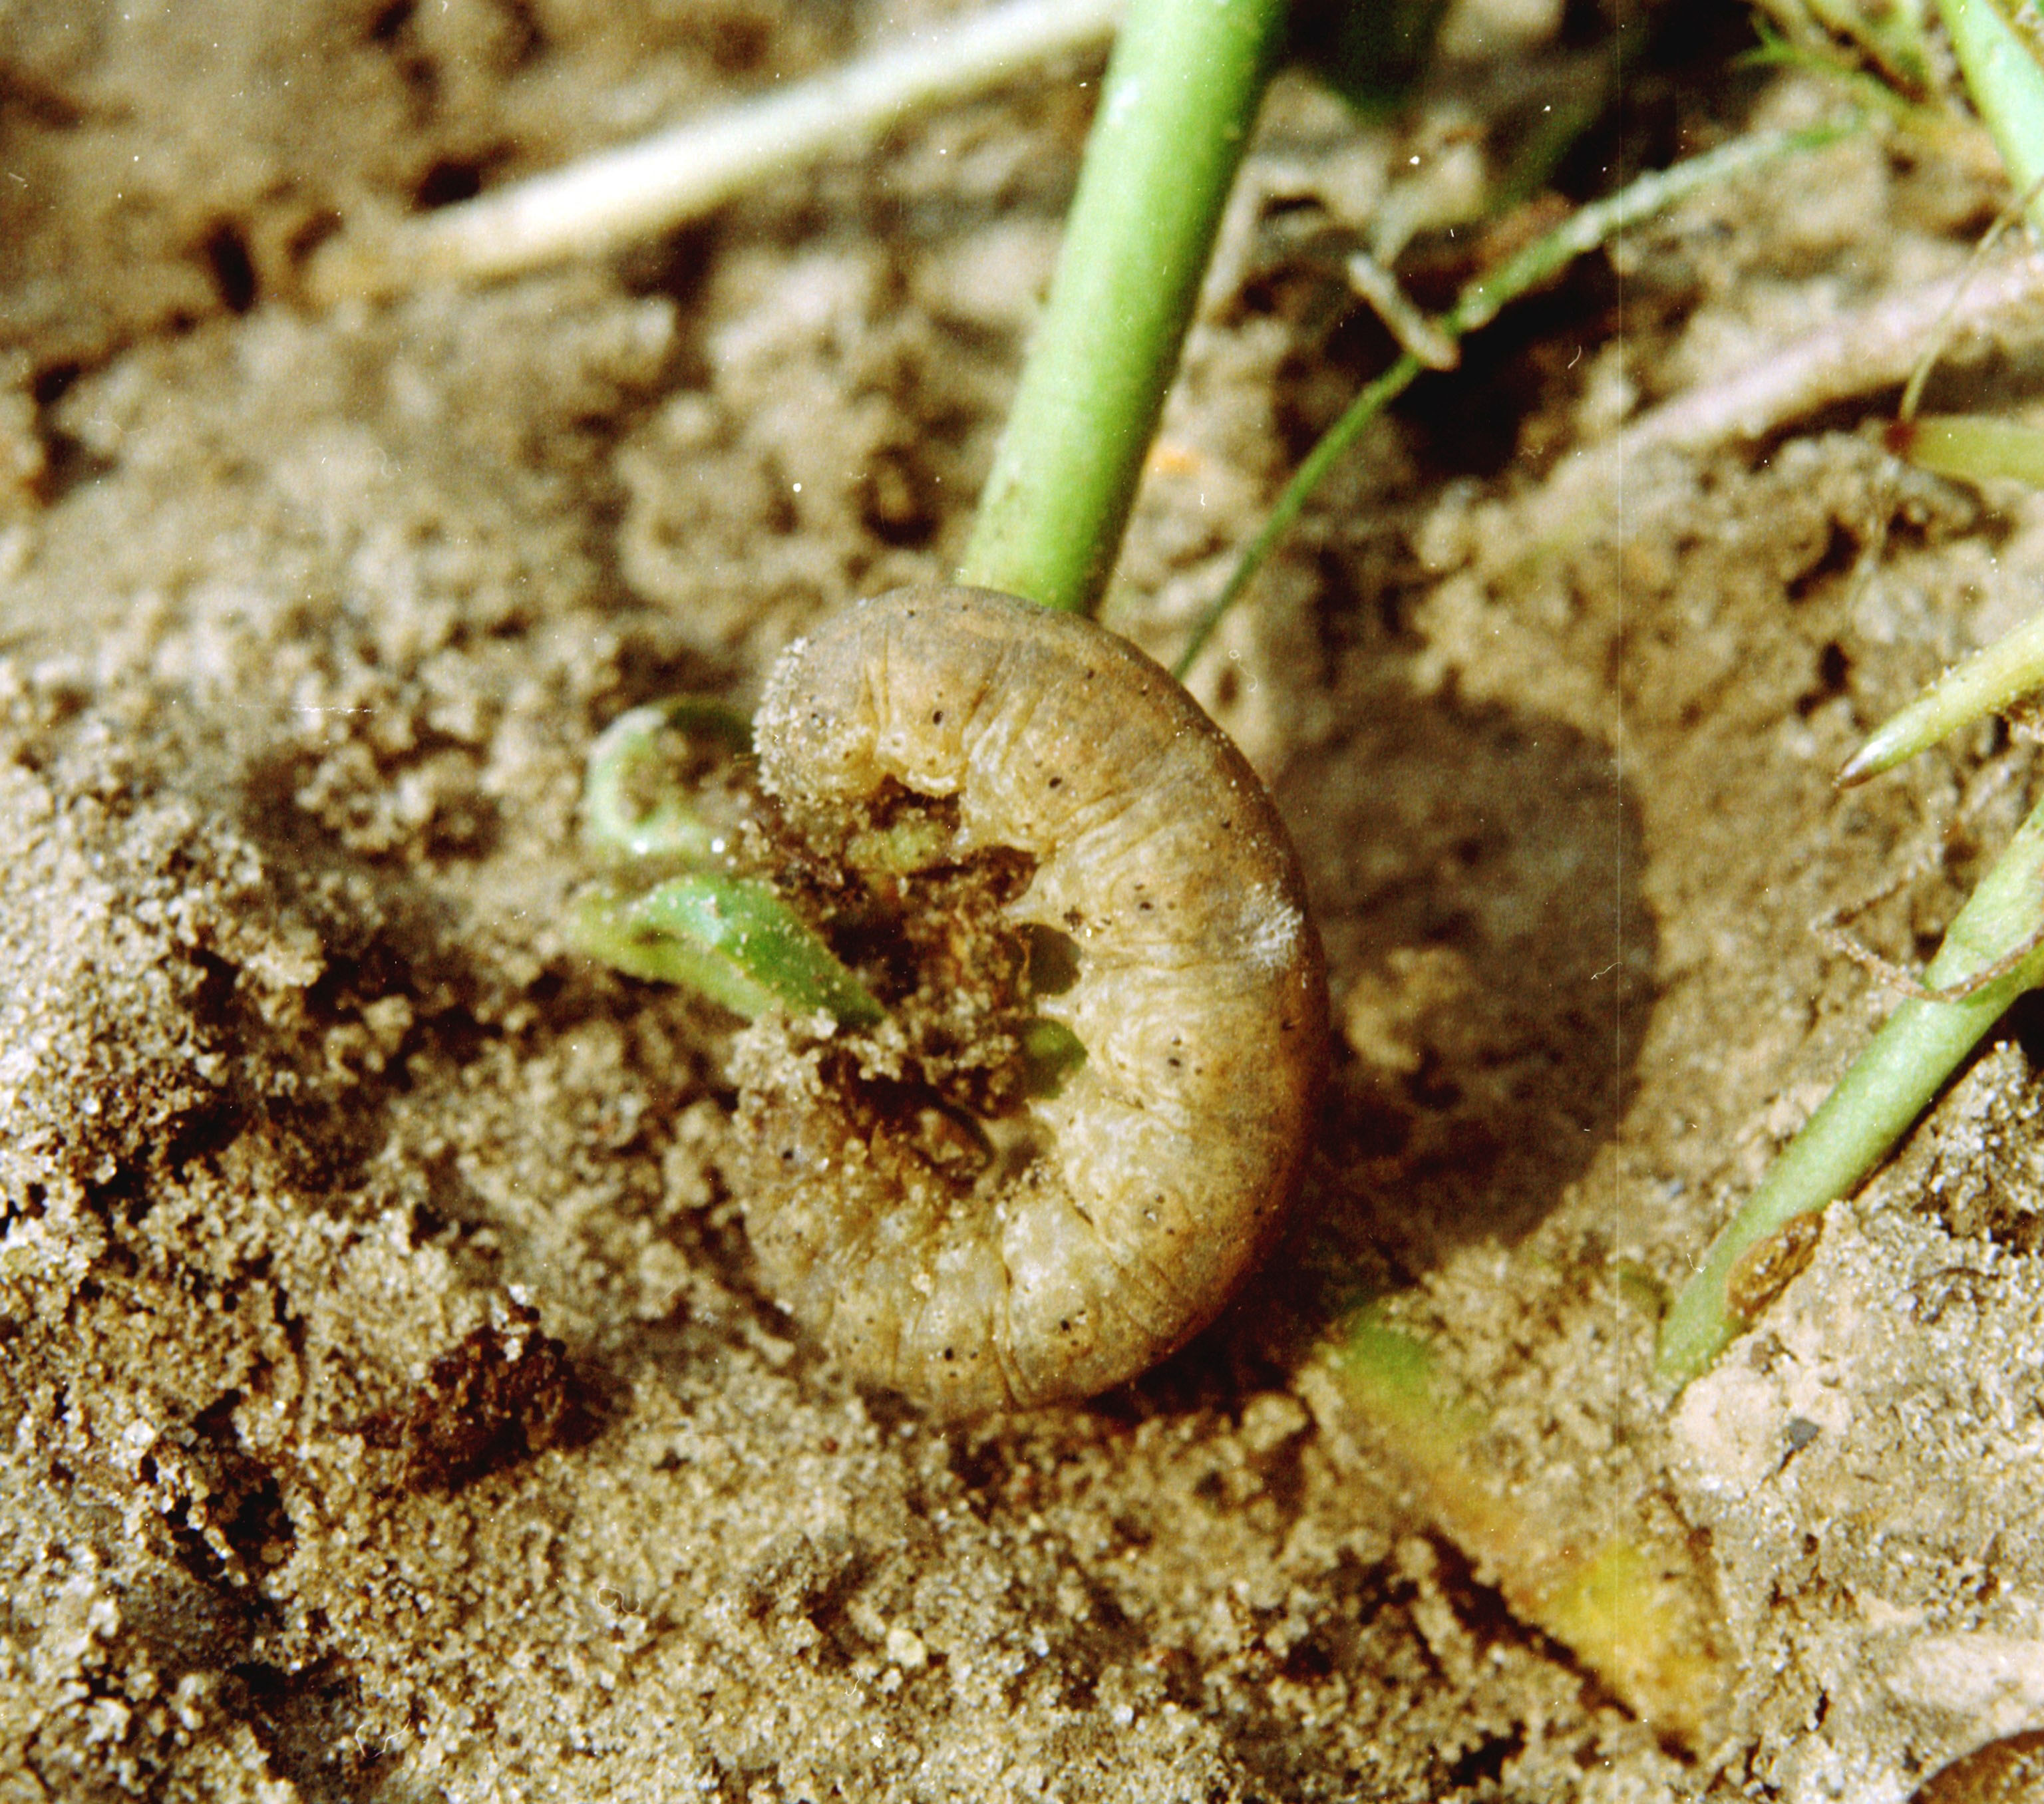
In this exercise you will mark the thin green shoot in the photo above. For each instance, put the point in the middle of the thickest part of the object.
(1878, 94)
(1175, 114)
(1888, 1085)
(1986, 683)
(1480, 302)
(1841, 34)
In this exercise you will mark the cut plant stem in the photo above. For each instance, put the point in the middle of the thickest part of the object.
(1889, 1085)
(618, 197)
(1636, 1613)
(1175, 113)
(617, 823)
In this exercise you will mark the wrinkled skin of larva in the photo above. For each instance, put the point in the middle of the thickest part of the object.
(1127, 1205)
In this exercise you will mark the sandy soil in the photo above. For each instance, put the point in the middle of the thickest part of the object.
(392, 1409)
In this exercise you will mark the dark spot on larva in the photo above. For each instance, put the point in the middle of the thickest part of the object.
(1056, 782)
(936, 717)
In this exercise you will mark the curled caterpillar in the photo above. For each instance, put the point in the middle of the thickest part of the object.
(1014, 816)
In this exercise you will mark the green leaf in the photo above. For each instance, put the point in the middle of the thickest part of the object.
(732, 939)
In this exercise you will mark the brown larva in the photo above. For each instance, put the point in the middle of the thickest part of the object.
(944, 1233)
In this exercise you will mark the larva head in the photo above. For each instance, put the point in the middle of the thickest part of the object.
(1051, 789)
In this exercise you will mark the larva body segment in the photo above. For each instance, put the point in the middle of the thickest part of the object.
(1148, 1182)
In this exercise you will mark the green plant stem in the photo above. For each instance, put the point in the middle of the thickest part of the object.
(1890, 1083)
(1480, 302)
(1175, 113)
(2008, 85)
(1376, 395)
(1985, 684)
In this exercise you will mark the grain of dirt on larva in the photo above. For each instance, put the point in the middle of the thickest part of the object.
(393, 1407)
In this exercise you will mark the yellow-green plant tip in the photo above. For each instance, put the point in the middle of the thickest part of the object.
(615, 821)
(1636, 1616)
(1987, 682)
(1393, 1377)
(1974, 446)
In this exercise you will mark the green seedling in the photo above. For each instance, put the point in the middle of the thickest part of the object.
(732, 939)
(672, 912)
(1990, 956)
(1587, 230)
